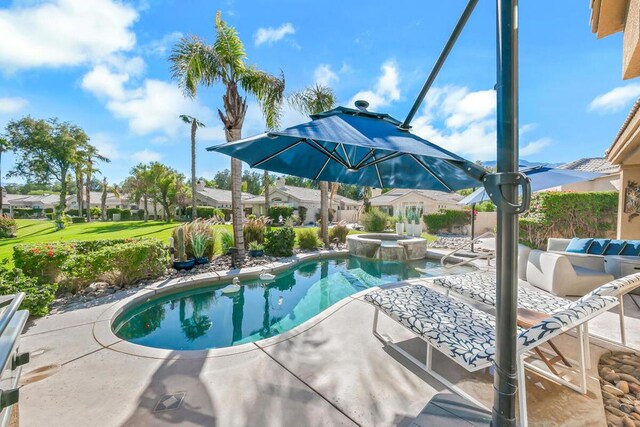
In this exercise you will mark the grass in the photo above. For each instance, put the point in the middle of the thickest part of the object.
(40, 231)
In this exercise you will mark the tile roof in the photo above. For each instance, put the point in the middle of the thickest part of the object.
(391, 195)
(591, 164)
(311, 194)
(221, 196)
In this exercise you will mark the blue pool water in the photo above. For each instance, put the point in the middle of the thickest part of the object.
(204, 317)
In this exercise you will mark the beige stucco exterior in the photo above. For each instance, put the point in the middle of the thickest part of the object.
(612, 16)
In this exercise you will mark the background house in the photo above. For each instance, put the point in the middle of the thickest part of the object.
(609, 181)
(402, 201)
(215, 197)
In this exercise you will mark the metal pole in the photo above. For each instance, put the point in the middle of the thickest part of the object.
(441, 59)
(473, 223)
(505, 378)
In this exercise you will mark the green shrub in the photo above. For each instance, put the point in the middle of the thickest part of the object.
(302, 214)
(112, 211)
(485, 206)
(50, 216)
(20, 213)
(38, 296)
(226, 241)
(208, 212)
(95, 212)
(339, 231)
(78, 219)
(308, 239)
(375, 220)
(279, 242)
(446, 220)
(568, 214)
(8, 227)
(275, 212)
(253, 230)
(121, 264)
(72, 212)
(48, 210)
(125, 215)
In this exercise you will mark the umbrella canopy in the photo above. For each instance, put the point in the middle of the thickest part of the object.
(355, 146)
(542, 178)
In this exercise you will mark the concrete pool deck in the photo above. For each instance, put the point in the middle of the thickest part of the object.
(330, 371)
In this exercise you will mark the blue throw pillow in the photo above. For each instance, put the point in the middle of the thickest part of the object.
(632, 248)
(579, 245)
(597, 246)
(614, 247)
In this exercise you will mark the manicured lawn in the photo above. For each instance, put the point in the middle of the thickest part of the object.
(40, 231)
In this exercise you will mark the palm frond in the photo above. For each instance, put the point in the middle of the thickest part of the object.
(229, 48)
(194, 63)
(313, 99)
(186, 119)
(268, 90)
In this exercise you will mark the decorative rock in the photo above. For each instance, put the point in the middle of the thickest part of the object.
(110, 291)
(627, 422)
(612, 377)
(613, 390)
(626, 408)
(623, 385)
(627, 368)
(606, 395)
(629, 378)
(635, 415)
(615, 411)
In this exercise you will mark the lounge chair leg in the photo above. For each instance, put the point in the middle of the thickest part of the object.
(623, 335)
(522, 391)
(582, 361)
(375, 325)
(429, 357)
(587, 345)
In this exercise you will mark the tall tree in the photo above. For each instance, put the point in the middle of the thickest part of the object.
(169, 188)
(90, 157)
(46, 151)
(314, 100)
(106, 188)
(4, 146)
(139, 185)
(195, 63)
(195, 124)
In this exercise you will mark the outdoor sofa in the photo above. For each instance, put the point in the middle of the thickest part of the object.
(594, 254)
(466, 334)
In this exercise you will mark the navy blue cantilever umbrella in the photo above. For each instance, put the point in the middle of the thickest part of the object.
(355, 146)
(542, 178)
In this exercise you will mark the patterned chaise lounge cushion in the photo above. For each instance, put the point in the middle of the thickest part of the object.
(573, 315)
(482, 287)
(456, 329)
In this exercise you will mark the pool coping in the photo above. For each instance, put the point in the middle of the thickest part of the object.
(103, 333)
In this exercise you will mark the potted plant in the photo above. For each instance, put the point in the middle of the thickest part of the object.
(399, 225)
(416, 226)
(256, 249)
(201, 239)
(182, 263)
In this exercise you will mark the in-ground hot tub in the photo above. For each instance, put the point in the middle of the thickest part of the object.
(387, 247)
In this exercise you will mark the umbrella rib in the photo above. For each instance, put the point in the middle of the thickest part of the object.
(346, 156)
(379, 176)
(326, 152)
(382, 159)
(325, 164)
(277, 153)
(428, 169)
(365, 158)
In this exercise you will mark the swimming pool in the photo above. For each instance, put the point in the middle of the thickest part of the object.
(204, 317)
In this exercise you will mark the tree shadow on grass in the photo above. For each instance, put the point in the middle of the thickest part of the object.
(114, 228)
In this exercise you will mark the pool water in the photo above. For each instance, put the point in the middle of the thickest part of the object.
(204, 317)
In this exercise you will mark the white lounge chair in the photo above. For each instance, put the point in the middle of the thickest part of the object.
(467, 335)
(481, 287)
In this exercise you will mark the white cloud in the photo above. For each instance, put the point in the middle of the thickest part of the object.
(324, 75)
(464, 122)
(12, 105)
(57, 33)
(146, 156)
(102, 142)
(616, 99)
(102, 82)
(386, 88)
(161, 46)
(271, 35)
(534, 147)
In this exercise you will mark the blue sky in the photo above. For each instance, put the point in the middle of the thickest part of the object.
(102, 64)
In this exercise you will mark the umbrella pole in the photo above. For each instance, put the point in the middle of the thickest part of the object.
(473, 223)
(505, 381)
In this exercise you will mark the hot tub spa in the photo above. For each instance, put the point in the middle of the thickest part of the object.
(387, 247)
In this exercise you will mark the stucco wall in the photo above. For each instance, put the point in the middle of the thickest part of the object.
(628, 228)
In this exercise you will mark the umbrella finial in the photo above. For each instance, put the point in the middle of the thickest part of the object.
(361, 104)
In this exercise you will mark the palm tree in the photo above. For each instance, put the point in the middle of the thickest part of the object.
(90, 158)
(115, 189)
(139, 186)
(314, 100)
(195, 63)
(195, 124)
(4, 146)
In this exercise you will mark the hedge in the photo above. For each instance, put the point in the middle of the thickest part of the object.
(78, 219)
(375, 220)
(38, 296)
(207, 212)
(568, 214)
(279, 241)
(44, 261)
(8, 227)
(446, 220)
(120, 264)
(275, 212)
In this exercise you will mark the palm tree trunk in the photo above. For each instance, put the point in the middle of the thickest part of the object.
(194, 209)
(79, 198)
(146, 209)
(267, 196)
(324, 212)
(104, 200)
(87, 189)
(236, 202)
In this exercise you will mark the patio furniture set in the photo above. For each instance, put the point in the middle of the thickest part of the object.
(466, 334)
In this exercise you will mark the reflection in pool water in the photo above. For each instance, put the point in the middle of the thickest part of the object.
(204, 317)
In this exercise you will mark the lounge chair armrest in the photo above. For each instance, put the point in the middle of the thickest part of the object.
(547, 270)
(556, 244)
